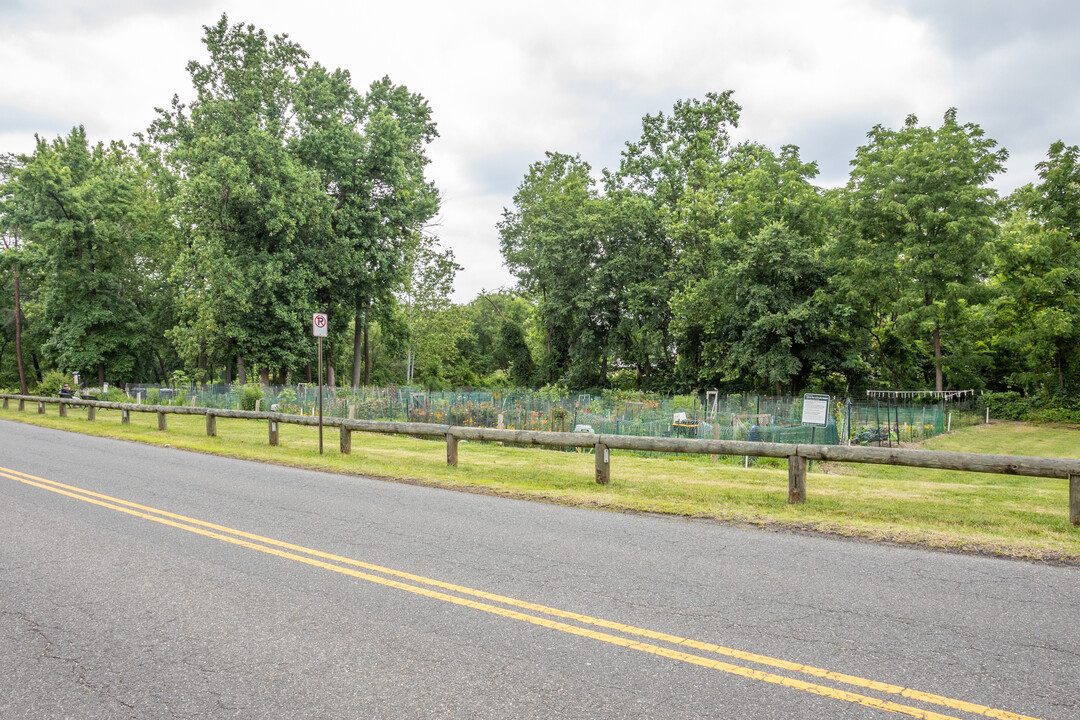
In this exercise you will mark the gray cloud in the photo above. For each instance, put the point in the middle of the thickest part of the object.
(972, 28)
(15, 118)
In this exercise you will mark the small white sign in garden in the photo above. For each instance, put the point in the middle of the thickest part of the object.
(815, 410)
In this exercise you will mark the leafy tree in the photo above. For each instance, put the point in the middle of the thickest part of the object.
(497, 340)
(370, 153)
(424, 299)
(11, 247)
(80, 205)
(914, 252)
(1038, 275)
(664, 206)
(550, 242)
(251, 210)
(634, 283)
(758, 317)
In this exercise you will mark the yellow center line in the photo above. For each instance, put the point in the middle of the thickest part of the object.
(269, 546)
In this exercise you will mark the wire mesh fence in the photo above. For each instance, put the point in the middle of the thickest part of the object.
(880, 421)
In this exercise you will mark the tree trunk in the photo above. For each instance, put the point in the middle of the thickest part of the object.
(309, 373)
(202, 367)
(100, 374)
(264, 376)
(241, 376)
(18, 333)
(938, 379)
(358, 345)
(367, 354)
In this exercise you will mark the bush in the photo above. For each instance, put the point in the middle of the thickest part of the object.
(1007, 405)
(1013, 406)
(153, 396)
(249, 395)
(1057, 409)
(50, 384)
(625, 379)
(116, 394)
(498, 379)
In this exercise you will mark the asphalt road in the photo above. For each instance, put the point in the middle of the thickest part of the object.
(269, 592)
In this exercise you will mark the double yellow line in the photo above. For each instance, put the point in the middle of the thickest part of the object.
(551, 618)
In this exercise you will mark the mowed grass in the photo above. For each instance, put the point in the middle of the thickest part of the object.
(970, 512)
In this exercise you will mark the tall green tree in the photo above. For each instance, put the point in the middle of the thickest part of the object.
(550, 242)
(664, 206)
(1038, 275)
(921, 215)
(80, 205)
(11, 242)
(758, 317)
(370, 153)
(432, 339)
(252, 213)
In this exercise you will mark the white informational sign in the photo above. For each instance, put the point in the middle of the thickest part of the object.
(319, 325)
(815, 410)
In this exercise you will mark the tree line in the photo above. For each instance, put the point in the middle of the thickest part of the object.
(199, 251)
(704, 263)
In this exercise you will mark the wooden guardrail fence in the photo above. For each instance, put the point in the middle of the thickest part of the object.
(797, 455)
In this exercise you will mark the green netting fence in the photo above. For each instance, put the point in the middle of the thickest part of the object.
(879, 422)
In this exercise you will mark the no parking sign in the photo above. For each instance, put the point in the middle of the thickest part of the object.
(319, 324)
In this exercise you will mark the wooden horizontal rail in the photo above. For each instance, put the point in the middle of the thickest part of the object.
(797, 455)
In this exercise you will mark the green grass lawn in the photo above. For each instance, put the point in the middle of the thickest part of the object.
(972, 512)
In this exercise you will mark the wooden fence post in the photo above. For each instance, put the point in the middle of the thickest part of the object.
(211, 425)
(63, 409)
(91, 413)
(716, 436)
(40, 408)
(796, 479)
(22, 405)
(125, 417)
(603, 464)
(1074, 500)
(451, 450)
(162, 421)
(5, 403)
(345, 441)
(273, 432)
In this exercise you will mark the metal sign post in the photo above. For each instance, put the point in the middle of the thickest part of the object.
(319, 326)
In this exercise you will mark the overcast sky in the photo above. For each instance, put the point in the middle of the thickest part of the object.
(507, 83)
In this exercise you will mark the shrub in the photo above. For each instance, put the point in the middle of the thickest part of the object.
(1009, 405)
(153, 396)
(50, 384)
(498, 379)
(117, 394)
(625, 379)
(1012, 406)
(249, 395)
